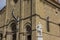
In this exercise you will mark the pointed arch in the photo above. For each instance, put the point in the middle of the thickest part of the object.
(14, 28)
(28, 28)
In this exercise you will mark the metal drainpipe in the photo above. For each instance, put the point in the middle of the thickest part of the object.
(31, 15)
(20, 18)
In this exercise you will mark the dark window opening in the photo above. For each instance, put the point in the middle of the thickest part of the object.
(29, 37)
(1, 36)
(13, 27)
(29, 32)
(14, 36)
(28, 29)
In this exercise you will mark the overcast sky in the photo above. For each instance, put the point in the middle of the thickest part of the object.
(2, 3)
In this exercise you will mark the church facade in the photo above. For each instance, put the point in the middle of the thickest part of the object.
(30, 20)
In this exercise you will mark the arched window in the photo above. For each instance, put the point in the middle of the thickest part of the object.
(29, 32)
(14, 28)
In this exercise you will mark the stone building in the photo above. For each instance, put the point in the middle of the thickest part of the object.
(25, 19)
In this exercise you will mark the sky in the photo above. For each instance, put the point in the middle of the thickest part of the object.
(2, 3)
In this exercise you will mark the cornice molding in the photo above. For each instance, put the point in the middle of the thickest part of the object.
(53, 3)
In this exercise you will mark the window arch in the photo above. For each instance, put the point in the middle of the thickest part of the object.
(29, 31)
(14, 28)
